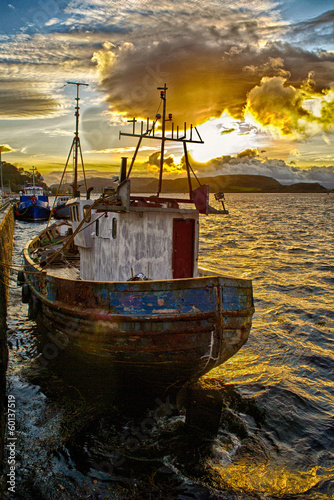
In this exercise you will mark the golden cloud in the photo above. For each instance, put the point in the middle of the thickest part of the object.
(289, 111)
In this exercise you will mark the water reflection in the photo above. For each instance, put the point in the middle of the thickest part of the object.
(275, 433)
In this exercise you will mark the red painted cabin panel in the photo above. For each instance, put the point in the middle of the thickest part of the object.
(183, 248)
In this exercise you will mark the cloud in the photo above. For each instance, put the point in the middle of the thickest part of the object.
(130, 71)
(147, 44)
(6, 148)
(248, 153)
(215, 57)
(170, 167)
(287, 110)
(22, 99)
(319, 30)
(246, 163)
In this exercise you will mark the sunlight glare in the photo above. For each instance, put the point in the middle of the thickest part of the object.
(223, 136)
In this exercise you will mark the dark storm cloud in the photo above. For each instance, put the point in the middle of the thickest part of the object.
(205, 76)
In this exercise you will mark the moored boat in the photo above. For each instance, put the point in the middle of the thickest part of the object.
(60, 209)
(33, 205)
(120, 286)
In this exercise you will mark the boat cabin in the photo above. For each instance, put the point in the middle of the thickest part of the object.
(137, 240)
(32, 191)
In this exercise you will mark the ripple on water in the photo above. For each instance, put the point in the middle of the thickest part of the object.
(275, 438)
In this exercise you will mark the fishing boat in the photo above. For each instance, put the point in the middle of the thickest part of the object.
(61, 210)
(119, 285)
(33, 205)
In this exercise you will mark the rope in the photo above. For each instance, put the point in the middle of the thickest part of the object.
(72, 236)
(17, 270)
(69, 239)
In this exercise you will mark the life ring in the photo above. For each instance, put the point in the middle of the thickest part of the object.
(33, 199)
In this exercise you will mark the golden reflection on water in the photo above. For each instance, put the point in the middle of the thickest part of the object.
(266, 478)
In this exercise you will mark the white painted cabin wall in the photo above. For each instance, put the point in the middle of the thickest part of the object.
(143, 245)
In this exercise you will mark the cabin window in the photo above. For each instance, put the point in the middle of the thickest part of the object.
(73, 212)
(97, 227)
(87, 213)
(77, 218)
(114, 228)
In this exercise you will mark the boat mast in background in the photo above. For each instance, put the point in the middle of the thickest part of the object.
(76, 145)
(33, 169)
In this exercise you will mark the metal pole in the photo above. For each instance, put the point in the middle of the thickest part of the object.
(75, 183)
(76, 136)
(33, 169)
(163, 97)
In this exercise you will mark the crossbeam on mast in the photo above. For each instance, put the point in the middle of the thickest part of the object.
(157, 137)
(150, 134)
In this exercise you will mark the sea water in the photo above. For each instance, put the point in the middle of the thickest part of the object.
(276, 432)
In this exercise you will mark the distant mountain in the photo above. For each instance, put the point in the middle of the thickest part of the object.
(225, 183)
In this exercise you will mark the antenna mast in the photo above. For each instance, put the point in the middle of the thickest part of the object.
(33, 169)
(76, 146)
(150, 133)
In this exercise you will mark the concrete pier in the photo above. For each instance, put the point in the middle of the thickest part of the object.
(6, 249)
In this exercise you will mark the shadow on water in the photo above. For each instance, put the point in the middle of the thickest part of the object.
(100, 443)
(81, 437)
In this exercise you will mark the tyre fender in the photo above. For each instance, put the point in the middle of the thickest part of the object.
(34, 305)
(25, 293)
(20, 278)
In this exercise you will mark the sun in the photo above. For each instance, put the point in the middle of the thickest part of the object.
(224, 136)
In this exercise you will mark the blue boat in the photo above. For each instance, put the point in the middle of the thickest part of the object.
(33, 204)
(119, 287)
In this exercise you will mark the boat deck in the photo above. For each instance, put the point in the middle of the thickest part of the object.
(71, 273)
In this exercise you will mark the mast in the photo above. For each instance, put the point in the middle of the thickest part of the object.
(163, 139)
(150, 133)
(76, 146)
(33, 169)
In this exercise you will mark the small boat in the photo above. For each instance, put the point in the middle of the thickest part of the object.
(33, 205)
(119, 286)
(61, 210)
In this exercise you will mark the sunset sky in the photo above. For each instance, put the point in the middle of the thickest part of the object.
(256, 78)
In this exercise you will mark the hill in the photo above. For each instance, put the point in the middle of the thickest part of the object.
(225, 183)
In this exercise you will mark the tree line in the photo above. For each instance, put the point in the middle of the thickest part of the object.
(15, 178)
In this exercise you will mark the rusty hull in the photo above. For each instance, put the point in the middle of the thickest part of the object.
(172, 331)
